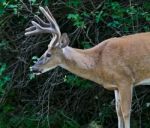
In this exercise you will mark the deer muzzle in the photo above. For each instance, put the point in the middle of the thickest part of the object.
(36, 70)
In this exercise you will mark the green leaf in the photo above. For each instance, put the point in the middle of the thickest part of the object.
(77, 20)
(115, 5)
(74, 3)
(46, 2)
(2, 68)
(8, 108)
(34, 58)
(73, 80)
(2, 1)
(148, 18)
(114, 24)
(12, 6)
(1, 11)
(79, 24)
(146, 5)
(131, 10)
(74, 16)
(32, 1)
(98, 17)
(85, 14)
(31, 76)
(86, 44)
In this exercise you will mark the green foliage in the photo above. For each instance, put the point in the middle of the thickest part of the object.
(94, 124)
(106, 112)
(32, 1)
(58, 119)
(3, 78)
(73, 80)
(61, 120)
(8, 4)
(117, 16)
(77, 20)
(35, 59)
(86, 44)
(32, 75)
(73, 3)
(123, 17)
(4, 45)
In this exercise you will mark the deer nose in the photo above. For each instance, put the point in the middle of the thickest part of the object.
(35, 69)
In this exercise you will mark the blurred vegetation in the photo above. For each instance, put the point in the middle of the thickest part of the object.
(59, 99)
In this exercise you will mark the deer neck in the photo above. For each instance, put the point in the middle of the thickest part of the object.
(79, 62)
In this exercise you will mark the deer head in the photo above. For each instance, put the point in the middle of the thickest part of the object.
(54, 54)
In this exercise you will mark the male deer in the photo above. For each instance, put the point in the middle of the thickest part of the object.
(118, 64)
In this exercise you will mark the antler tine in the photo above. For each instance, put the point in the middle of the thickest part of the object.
(49, 12)
(47, 9)
(36, 29)
(46, 28)
(50, 18)
(43, 27)
(56, 25)
(42, 22)
(30, 28)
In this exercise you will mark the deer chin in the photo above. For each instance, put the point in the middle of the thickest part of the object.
(37, 73)
(46, 70)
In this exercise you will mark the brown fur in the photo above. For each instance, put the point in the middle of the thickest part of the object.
(117, 64)
(114, 60)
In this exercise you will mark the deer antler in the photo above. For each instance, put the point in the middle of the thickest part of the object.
(51, 27)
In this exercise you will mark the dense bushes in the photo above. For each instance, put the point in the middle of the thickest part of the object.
(58, 99)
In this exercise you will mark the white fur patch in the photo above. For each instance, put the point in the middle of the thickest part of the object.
(144, 82)
(67, 52)
(48, 69)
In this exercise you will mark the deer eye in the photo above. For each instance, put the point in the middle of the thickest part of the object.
(48, 55)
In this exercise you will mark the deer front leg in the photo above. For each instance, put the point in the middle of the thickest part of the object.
(125, 100)
(118, 110)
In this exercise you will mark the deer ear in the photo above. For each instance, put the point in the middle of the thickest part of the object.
(64, 40)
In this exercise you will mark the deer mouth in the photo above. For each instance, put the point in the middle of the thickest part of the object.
(35, 70)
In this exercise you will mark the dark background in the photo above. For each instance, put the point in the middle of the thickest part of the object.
(59, 99)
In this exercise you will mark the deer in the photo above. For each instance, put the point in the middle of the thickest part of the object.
(118, 63)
